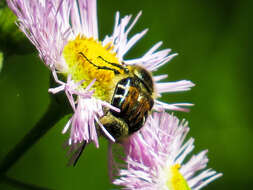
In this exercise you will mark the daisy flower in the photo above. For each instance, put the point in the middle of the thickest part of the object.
(155, 158)
(65, 33)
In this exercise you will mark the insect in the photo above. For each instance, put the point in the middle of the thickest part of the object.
(133, 94)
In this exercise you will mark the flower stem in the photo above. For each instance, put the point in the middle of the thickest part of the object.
(53, 114)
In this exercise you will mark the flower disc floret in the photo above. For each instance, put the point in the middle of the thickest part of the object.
(65, 33)
(155, 158)
(84, 57)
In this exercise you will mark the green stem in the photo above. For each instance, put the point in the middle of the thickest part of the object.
(21, 185)
(53, 114)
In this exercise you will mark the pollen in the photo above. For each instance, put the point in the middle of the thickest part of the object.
(87, 59)
(176, 180)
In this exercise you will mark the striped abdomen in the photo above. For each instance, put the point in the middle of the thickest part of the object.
(134, 100)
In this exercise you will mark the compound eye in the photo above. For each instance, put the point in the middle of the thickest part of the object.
(145, 77)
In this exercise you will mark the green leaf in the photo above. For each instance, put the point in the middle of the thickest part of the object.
(7, 24)
(12, 39)
(1, 60)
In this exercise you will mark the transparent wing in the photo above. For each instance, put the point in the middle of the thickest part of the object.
(116, 158)
(74, 152)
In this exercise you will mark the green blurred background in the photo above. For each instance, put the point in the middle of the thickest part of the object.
(214, 42)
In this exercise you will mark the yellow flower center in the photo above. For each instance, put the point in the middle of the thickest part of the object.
(87, 60)
(176, 181)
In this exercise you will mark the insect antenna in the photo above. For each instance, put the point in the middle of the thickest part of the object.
(100, 67)
(115, 65)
